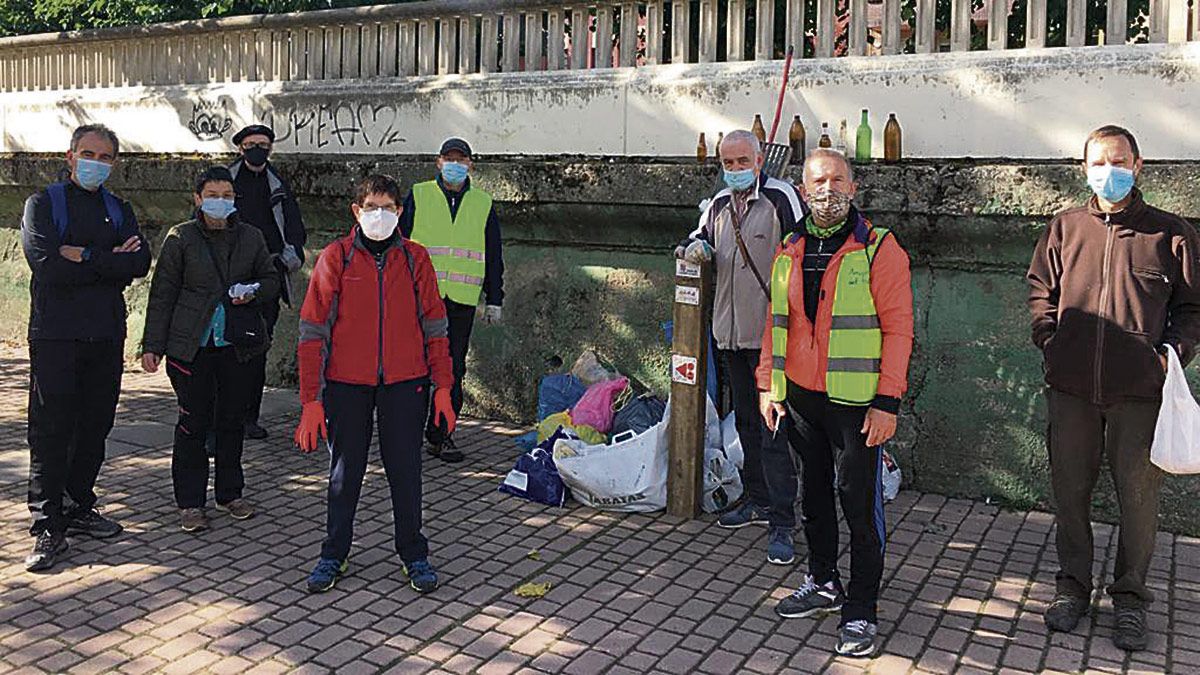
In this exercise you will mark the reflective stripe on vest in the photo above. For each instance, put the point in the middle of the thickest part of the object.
(855, 339)
(456, 244)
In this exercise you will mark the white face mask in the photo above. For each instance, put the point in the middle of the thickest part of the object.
(377, 224)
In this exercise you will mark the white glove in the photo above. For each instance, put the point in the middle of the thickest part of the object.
(491, 315)
(239, 291)
(698, 251)
(291, 261)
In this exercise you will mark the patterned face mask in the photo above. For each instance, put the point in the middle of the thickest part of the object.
(830, 206)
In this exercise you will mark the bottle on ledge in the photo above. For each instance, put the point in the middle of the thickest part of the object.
(717, 147)
(862, 140)
(797, 141)
(843, 141)
(758, 129)
(701, 150)
(891, 140)
(825, 141)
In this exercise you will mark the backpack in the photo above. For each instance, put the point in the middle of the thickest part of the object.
(58, 208)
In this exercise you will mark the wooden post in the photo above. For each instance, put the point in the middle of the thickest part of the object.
(689, 378)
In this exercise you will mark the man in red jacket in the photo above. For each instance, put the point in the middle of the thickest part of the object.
(372, 343)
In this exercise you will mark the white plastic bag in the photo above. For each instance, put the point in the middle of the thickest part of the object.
(629, 476)
(588, 370)
(731, 440)
(1176, 446)
(891, 477)
(722, 480)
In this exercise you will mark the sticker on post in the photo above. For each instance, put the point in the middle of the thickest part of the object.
(683, 369)
(687, 295)
(688, 270)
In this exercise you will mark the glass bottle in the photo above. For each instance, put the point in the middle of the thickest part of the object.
(701, 150)
(862, 140)
(891, 139)
(758, 129)
(797, 140)
(825, 141)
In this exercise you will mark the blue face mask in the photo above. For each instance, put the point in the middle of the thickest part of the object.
(91, 174)
(217, 208)
(1110, 183)
(739, 180)
(453, 172)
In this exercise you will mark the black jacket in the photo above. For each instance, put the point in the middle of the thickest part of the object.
(493, 276)
(255, 204)
(84, 300)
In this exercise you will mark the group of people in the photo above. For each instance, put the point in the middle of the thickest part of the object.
(384, 333)
(812, 318)
(813, 324)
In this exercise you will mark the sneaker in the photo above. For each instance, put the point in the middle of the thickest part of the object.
(746, 514)
(857, 638)
(238, 509)
(254, 432)
(421, 576)
(780, 550)
(46, 549)
(325, 574)
(91, 523)
(1065, 611)
(192, 520)
(1129, 633)
(446, 451)
(811, 599)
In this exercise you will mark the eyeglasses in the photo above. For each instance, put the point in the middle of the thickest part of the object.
(263, 144)
(390, 209)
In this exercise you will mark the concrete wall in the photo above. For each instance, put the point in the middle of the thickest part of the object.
(588, 266)
(1017, 104)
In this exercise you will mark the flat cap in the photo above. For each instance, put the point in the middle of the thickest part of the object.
(252, 130)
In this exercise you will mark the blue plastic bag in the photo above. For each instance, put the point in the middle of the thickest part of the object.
(534, 477)
(557, 393)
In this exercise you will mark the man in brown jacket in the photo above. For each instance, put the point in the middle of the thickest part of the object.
(1113, 285)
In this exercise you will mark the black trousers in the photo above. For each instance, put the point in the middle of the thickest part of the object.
(399, 410)
(1080, 432)
(73, 392)
(258, 366)
(836, 464)
(738, 366)
(213, 391)
(461, 321)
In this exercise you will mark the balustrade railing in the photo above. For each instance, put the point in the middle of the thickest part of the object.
(489, 36)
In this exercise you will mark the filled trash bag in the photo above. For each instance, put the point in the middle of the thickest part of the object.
(595, 409)
(562, 420)
(558, 393)
(535, 477)
(639, 415)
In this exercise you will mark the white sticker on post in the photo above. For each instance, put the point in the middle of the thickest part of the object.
(683, 369)
(686, 269)
(687, 295)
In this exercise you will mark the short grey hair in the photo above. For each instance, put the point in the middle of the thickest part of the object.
(98, 129)
(832, 154)
(742, 136)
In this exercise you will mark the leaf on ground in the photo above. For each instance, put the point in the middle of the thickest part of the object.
(534, 555)
(532, 590)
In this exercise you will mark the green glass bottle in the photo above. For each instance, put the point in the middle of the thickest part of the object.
(862, 141)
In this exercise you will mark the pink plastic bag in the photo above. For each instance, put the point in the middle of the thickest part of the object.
(595, 409)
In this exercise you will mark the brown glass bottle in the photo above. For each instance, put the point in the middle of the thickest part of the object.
(701, 150)
(826, 141)
(891, 140)
(797, 141)
(758, 129)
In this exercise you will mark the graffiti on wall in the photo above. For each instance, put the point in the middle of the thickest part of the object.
(336, 126)
(209, 120)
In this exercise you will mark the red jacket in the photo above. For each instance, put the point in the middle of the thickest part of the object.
(368, 324)
(808, 344)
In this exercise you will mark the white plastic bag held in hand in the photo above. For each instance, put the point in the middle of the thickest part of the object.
(1176, 447)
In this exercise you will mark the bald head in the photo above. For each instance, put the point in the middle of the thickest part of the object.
(826, 172)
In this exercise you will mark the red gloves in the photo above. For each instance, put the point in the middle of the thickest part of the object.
(444, 410)
(312, 426)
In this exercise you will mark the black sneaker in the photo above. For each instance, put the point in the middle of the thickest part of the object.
(1129, 633)
(91, 523)
(255, 432)
(1065, 611)
(857, 638)
(446, 451)
(46, 549)
(811, 599)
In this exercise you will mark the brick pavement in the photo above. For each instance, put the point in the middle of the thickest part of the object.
(963, 590)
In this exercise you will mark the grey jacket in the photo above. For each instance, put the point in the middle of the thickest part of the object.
(740, 307)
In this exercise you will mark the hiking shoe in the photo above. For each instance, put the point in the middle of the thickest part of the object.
(91, 523)
(780, 550)
(421, 576)
(743, 515)
(1129, 633)
(238, 509)
(446, 451)
(857, 638)
(254, 432)
(1065, 611)
(811, 599)
(326, 574)
(46, 549)
(192, 520)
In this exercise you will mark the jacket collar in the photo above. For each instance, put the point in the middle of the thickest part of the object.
(1132, 212)
(466, 186)
(359, 240)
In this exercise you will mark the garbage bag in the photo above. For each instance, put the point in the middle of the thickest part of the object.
(1176, 445)
(639, 414)
(891, 477)
(557, 393)
(722, 480)
(731, 441)
(595, 409)
(628, 476)
(589, 369)
(563, 420)
(535, 477)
